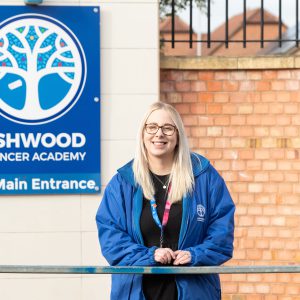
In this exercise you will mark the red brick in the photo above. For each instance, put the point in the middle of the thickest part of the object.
(183, 86)
(262, 154)
(231, 109)
(167, 86)
(198, 86)
(230, 131)
(291, 108)
(189, 97)
(296, 120)
(222, 75)
(283, 96)
(222, 143)
(262, 288)
(206, 143)
(254, 165)
(253, 97)
(268, 97)
(238, 75)
(190, 120)
(254, 75)
(295, 96)
(222, 120)
(182, 108)
(230, 288)
(261, 177)
(269, 74)
(197, 108)
(276, 176)
(277, 131)
(205, 120)
(262, 85)
(261, 108)
(238, 97)
(291, 131)
(175, 75)
(198, 132)
(205, 75)
(214, 108)
(214, 86)
(246, 288)
(246, 154)
(230, 86)
(238, 120)
(292, 85)
(174, 97)
(269, 120)
(190, 75)
(284, 74)
(245, 109)
(238, 165)
(254, 120)
(205, 97)
(247, 86)
(221, 97)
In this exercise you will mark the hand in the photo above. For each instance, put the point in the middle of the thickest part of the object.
(182, 257)
(164, 255)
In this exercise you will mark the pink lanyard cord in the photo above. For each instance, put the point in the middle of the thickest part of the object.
(166, 215)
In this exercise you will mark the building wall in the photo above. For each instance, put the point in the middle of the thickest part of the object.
(61, 230)
(244, 115)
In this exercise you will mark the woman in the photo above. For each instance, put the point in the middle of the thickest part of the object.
(166, 207)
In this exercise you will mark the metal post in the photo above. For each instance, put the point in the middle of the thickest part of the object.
(173, 23)
(208, 23)
(297, 23)
(226, 28)
(191, 23)
(245, 24)
(33, 2)
(262, 24)
(280, 25)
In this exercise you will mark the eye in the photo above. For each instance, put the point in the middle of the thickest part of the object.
(152, 127)
(168, 128)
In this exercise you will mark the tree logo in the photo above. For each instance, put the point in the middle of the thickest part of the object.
(42, 69)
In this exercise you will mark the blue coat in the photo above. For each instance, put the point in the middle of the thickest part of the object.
(206, 231)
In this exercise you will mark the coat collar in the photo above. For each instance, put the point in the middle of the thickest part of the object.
(199, 165)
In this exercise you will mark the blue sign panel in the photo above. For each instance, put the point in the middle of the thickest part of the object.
(49, 99)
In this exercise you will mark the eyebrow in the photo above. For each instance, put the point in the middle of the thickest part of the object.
(153, 123)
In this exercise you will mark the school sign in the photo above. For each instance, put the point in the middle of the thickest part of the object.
(49, 99)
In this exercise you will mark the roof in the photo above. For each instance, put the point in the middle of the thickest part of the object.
(235, 24)
(286, 47)
(180, 26)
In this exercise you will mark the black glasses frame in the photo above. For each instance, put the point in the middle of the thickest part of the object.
(162, 128)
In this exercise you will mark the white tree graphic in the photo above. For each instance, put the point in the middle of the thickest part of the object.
(33, 48)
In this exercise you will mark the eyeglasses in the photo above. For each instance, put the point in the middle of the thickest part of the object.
(166, 129)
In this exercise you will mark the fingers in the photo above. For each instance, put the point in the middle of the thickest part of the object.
(182, 257)
(164, 255)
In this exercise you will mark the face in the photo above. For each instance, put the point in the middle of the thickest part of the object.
(160, 145)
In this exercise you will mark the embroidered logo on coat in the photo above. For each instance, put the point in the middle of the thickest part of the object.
(200, 212)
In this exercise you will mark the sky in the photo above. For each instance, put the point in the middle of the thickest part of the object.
(236, 7)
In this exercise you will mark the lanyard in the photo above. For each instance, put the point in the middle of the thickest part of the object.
(162, 225)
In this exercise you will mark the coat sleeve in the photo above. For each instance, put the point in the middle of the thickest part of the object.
(217, 246)
(117, 245)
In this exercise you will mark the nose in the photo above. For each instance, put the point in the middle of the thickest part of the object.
(159, 132)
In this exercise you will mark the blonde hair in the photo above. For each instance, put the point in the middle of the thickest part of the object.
(181, 176)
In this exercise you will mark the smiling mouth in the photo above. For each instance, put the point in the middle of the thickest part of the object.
(159, 143)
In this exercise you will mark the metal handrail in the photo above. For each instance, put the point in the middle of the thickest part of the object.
(147, 270)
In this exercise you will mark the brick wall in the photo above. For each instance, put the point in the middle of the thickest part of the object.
(244, 115)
